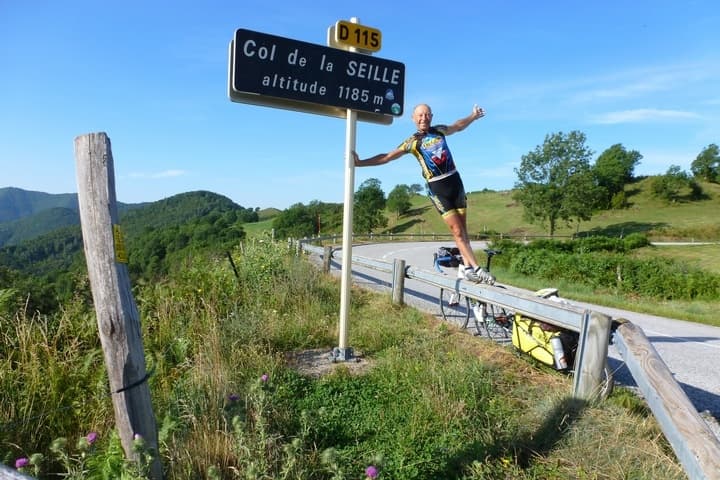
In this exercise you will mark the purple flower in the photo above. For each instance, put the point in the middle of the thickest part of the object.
(22, 462)
(91, 437)
(371, 472)
(264, 377)
(233, 397)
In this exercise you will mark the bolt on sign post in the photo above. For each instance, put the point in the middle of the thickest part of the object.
(341, 82)
(117, 315)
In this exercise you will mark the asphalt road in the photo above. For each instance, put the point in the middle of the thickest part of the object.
(690, 350)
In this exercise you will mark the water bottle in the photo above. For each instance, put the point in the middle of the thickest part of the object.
(558, 353)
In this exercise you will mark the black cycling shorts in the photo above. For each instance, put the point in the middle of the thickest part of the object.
(448, 195)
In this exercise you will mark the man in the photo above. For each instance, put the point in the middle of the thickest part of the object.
(446, 189)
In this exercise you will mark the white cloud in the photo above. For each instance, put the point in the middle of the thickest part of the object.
(643, 115)
(169, 173)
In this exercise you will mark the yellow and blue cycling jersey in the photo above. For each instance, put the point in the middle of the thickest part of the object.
(432, 152)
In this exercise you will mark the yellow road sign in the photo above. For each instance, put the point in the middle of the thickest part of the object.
(358, 36)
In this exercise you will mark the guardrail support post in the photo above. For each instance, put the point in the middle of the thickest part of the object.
(591, 355)
(327, 256)
(398, 285)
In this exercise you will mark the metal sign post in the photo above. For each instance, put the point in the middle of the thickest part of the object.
(341, 80)
(343, 352)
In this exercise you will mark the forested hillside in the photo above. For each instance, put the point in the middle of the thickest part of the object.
(47, 269)
(25, 214)
(16, 203)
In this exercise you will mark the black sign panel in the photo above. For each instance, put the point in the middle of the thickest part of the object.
(305, 73)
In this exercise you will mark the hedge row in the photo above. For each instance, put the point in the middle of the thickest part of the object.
(610, 269)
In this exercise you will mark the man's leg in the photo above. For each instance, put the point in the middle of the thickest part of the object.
(458, 227)
(457, 224)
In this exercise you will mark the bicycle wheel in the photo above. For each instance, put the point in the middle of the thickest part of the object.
(492, 320)
(455, 308)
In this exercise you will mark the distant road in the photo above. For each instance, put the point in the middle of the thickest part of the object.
(660, 244)
(690, 350)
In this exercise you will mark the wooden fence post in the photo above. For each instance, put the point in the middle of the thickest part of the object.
(117, 315)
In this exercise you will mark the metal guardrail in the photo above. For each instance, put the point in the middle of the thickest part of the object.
(692, 440)
(588, 376)
(696, 446)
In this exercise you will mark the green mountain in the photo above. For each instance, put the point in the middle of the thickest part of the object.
(16, 203)
(25, 214)
(50, 240)
(35, 225)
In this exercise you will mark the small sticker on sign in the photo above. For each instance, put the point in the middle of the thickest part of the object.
(120, 252)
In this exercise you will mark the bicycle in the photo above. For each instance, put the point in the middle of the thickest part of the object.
(489, 319)
(552, 346)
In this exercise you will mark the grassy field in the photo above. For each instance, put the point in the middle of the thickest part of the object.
(498, 212)
(430, 401)
(491, 211)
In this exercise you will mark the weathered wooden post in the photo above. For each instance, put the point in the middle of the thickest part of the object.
(117, 315)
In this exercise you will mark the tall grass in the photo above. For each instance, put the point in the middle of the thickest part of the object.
(431, 401)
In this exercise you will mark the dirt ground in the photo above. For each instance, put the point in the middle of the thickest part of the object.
(321, 361)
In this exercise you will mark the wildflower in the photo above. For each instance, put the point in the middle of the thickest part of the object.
(91, 437)
(233, 397)
(21, 462)
(371, 472)
(264, 377)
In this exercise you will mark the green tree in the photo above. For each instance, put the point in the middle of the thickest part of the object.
(297, 221)
(614, 169)
(416, 188)
(328, 216)
(706, 165)
(675, 185)
(555, 181)
(399, 200)
(368, 207)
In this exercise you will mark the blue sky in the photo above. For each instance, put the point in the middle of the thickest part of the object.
(153, 76)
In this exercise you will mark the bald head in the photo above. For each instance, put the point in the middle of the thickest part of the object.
(422, 117)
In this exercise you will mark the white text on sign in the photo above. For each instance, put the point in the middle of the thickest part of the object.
(293, 71)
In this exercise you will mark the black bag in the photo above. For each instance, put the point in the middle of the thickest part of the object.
(448, 257)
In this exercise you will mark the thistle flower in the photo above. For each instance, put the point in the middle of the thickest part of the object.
(91, 437)
(371, 472)
(22, 462)
(264, 378)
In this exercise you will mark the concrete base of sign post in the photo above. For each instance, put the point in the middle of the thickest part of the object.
(342, 354)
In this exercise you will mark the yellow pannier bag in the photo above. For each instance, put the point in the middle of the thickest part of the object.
(540, 340)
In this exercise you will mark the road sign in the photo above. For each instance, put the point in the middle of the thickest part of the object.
(275, 71)
(358, 36)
